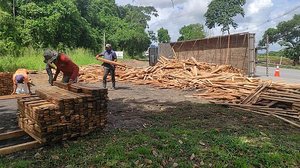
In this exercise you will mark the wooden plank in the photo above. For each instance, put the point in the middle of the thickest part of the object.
(12, 134)
(15, 96)
(111, 62)
(288, 121)
(19, 147)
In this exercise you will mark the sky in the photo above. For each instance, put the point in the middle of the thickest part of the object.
(259, 15)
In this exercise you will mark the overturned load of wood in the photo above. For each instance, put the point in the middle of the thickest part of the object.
(221, 84)
(6, 83)
(55, 114)
(224, 85)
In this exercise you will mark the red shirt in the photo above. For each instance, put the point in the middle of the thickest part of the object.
(67, 66)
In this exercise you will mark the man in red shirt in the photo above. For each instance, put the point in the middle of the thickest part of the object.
(63, 63)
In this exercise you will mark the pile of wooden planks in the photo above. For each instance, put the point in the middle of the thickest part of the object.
(55, 114)
(221, 84)
(6, 83)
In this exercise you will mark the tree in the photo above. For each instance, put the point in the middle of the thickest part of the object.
(72, 24)
(221, 13)
(163, 36)
(287, 34)
(191, 32)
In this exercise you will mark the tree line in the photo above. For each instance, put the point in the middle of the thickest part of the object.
(72, 24)
(84, 23)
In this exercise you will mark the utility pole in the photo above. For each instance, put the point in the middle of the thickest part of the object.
(267, 55)
(14, 10)
(104, 41)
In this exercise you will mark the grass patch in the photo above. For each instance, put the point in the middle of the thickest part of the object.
(33, 59)
(188, 135)
(275, 60)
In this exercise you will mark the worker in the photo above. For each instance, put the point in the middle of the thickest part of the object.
(21, 83)
(111, 55)
(63, 63)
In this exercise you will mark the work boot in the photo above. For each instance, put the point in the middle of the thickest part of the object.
(113, 85)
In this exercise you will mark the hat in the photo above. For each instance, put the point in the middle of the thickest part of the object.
(19, 78)
(50, 56)
(108, 46)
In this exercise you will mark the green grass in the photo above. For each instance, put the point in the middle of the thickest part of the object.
(33, 59)
(275, 60)
(189, 135)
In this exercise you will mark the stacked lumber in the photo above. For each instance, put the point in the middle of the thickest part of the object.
(55, 114)
(6, 83)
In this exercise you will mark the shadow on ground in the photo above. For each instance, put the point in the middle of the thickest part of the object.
(140, 113)
(151, 133)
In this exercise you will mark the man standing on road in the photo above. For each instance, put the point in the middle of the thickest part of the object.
(63, 63)
(21, 83)
(108, 54)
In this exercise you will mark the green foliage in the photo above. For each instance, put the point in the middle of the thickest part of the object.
(73, 24)
(191, 32)
(33, 59)
(222, 12)
(163, 35)
(287, 34)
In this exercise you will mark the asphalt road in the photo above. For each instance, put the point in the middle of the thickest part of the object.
(286, 75)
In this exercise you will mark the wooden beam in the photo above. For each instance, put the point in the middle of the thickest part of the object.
(6, 97)
(112, 62)
(19, 147)
(12, 134)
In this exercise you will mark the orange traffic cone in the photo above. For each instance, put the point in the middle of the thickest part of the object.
(277, 74)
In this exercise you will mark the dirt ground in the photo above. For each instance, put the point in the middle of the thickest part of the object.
(124, 105)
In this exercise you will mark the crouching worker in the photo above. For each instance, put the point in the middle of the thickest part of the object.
(63, 63)
(21, 84)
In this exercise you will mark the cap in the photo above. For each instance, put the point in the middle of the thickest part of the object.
(50, 56)
(108, 46)
(19, 78)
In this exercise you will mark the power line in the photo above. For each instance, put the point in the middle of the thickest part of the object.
(272, 19)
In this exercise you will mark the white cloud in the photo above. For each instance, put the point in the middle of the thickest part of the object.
(257, 5)
(187, 12)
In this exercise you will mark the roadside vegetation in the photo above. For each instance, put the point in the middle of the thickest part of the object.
(33, 59)
(275, 59)
(188, 135)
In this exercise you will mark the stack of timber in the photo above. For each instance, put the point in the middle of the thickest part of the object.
(62, 112)
(6, 83)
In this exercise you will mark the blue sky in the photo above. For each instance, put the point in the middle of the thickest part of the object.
(187, 12)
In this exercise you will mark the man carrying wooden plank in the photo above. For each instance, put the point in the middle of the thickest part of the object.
(21, 84)
(63, 63)
(111, 55)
